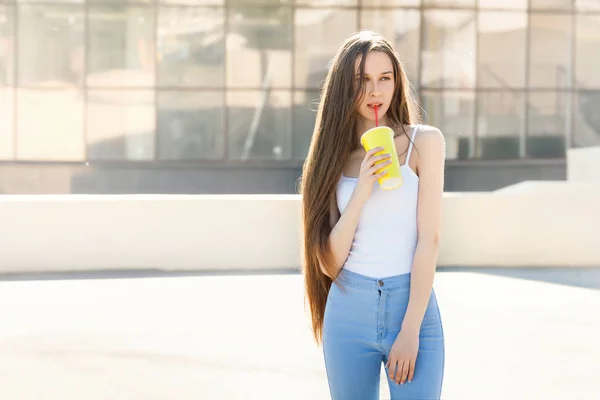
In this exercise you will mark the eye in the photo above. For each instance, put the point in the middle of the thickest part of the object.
(385, 78)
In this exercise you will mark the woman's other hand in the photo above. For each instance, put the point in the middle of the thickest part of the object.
(403, 357)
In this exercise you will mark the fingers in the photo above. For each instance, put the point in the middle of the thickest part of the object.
(372, 152)
(391, 365)
(411, 370)
(401, 371)
(377, 167)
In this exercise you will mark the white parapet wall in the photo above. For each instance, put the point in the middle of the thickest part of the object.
(583, 164)
(528, 225)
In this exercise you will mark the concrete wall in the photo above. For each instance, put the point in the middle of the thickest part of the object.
(583, 164)
(540, 226)
(532, 223)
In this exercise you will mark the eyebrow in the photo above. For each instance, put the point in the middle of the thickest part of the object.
(383, 73)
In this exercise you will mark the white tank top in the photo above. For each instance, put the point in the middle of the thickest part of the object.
(386, 236)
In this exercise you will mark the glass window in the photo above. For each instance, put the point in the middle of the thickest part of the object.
(404, 3)
(402, 28)
(190, 46)
(587, 55)
(327, 3)
(120, 124)
(317, 43)
(260, 2)
(587, 119)
(450, 3)
(57, 1)
(503, 4)
(51, 45)
(259, 125)
(305, 114)
(259, 47)
(50, 125)
(501, 50)
(119, 1)
(587, 5)
(552, 4)
(549, 52)
(193, 2)
(7, 46)
(190, 125)
(7, 133)
(121, 46)
(549, 123)
(453, 113)
(500, 124)
(449, 49)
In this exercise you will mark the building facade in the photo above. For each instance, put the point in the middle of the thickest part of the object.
(219, 96)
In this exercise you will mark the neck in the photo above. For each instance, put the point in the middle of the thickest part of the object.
(366, 124)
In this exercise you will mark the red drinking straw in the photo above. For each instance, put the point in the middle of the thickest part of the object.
(376, 116)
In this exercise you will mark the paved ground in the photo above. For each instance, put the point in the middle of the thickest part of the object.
(510, 334)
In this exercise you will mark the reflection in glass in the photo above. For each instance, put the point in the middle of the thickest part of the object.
(51, 45)
(552, 4)
(50, 125)
(305, 114)
(6, 123)
(317, 43)
(259, 43)
(118, 1)
(121, 46)
(55, 1)
(501, 49)
(258, 2)
(120, 124)
(190, 125)
(503, 4)
(587, 119)
(326, 3)
(449, 49)
(259, 125)
(190, 46)
(456, 3)
(452, 112)
(587, 54)
(404, 3)
(587, 5)
(500, 125)
(549, 52)
(7, 46)
(402, 28)
(193, 2)
(549, 123)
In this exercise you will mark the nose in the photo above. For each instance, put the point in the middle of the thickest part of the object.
(375, 92)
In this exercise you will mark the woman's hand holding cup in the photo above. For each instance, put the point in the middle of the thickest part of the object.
(370, 171)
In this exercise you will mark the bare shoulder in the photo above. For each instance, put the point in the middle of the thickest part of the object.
(431, 146)
(430, 138)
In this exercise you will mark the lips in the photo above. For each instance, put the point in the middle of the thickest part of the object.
(372, 105)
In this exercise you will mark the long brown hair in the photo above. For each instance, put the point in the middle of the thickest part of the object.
(334, 138)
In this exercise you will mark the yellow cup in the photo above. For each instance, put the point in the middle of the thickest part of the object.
(384, 136)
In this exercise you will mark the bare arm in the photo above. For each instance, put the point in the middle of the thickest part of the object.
(344, 228)
(431, 188)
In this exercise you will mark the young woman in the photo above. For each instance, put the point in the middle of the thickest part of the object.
(378, 246)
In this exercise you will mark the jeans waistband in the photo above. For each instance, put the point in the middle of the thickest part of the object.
(359, 281)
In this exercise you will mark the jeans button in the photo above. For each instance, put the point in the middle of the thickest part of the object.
(380, 283)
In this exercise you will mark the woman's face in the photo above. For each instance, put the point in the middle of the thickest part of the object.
(379, 85)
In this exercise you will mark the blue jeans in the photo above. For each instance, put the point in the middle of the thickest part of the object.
(361, 324)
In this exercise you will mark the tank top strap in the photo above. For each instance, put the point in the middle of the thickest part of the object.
(410, 145)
